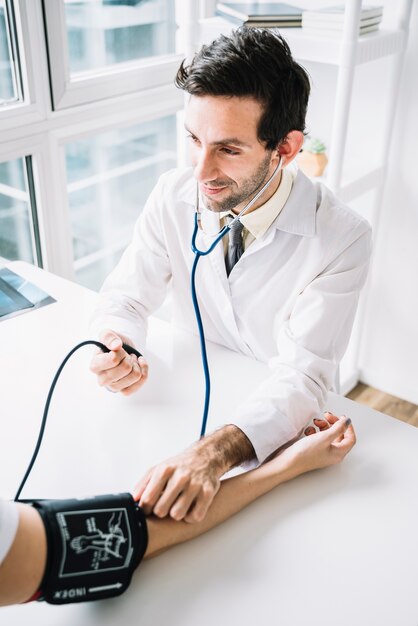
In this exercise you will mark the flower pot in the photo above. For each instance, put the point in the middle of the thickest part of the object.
(312, 164)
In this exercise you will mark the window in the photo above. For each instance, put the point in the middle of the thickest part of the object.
(10, 81)
(106, 32)
(109, 179)
(19, 239)
(71, 205)
(102, 48)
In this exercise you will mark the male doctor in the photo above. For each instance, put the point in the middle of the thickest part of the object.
(283, 289)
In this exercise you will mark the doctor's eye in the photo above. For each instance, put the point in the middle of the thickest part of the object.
(229, 151)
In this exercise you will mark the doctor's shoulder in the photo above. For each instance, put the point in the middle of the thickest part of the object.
(336, 221)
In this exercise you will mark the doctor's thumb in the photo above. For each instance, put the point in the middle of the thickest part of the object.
(111, 340)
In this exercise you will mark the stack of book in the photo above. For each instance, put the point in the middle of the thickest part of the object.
(261, 14)
(329, 22)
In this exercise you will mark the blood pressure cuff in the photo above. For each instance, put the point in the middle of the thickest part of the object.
(94, 546)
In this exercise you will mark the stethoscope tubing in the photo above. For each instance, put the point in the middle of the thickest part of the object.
(219, 236)
(199, 253)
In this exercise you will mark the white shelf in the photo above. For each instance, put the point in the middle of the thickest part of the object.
(370, 47)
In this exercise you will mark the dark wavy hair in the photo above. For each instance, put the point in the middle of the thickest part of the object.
(257, 63)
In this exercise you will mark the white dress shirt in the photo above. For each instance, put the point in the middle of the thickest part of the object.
(289, 301)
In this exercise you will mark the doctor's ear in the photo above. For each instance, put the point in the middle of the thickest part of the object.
(290, 146)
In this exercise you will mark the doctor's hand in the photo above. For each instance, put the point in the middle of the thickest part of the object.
(182, 487)
(117, 370)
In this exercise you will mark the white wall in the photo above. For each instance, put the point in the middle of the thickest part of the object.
(389, 354)
(389, 337)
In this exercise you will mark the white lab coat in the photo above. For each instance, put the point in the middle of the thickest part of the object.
(289, 301)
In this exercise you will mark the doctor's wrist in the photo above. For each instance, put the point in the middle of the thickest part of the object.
(228, 447)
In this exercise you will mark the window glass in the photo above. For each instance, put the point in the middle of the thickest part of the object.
(109, 179)
(9, 84)
(16, 232)
(105, 32)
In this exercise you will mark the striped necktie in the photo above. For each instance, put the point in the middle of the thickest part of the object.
(235, 246)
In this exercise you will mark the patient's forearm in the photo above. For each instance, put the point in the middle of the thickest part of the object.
(22, 570)
(234, 494)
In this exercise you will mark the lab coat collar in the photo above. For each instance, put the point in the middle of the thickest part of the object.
(297, 217)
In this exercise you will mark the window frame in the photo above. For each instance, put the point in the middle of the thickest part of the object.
(32, 151)
(13, 48)
(114, 80)
(150, 110)
(33, 128)
(32, 107)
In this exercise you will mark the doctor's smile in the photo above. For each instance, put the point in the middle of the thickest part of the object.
(211, 191)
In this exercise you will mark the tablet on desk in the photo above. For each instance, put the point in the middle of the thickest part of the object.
(17, 295)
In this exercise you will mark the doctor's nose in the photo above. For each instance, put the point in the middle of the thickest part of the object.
(205, 167)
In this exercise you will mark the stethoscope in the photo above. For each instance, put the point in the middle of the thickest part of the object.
(199, 253)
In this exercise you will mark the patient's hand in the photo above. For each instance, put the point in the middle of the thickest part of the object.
(329, 446)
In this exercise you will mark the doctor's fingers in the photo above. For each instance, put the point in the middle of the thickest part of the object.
(143, 369)
(178, 496)
(103, 361)
(202, 503)
(111, 339)
(139, 488)
(158, 479)
(168, 487)
(127, 373)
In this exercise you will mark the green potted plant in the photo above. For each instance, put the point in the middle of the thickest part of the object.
(312, 160)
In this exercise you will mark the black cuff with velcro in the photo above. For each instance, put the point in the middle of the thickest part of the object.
(94, 546)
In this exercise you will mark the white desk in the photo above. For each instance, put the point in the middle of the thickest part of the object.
(337, 547)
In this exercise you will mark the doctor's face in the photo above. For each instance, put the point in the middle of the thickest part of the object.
(230, 163)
